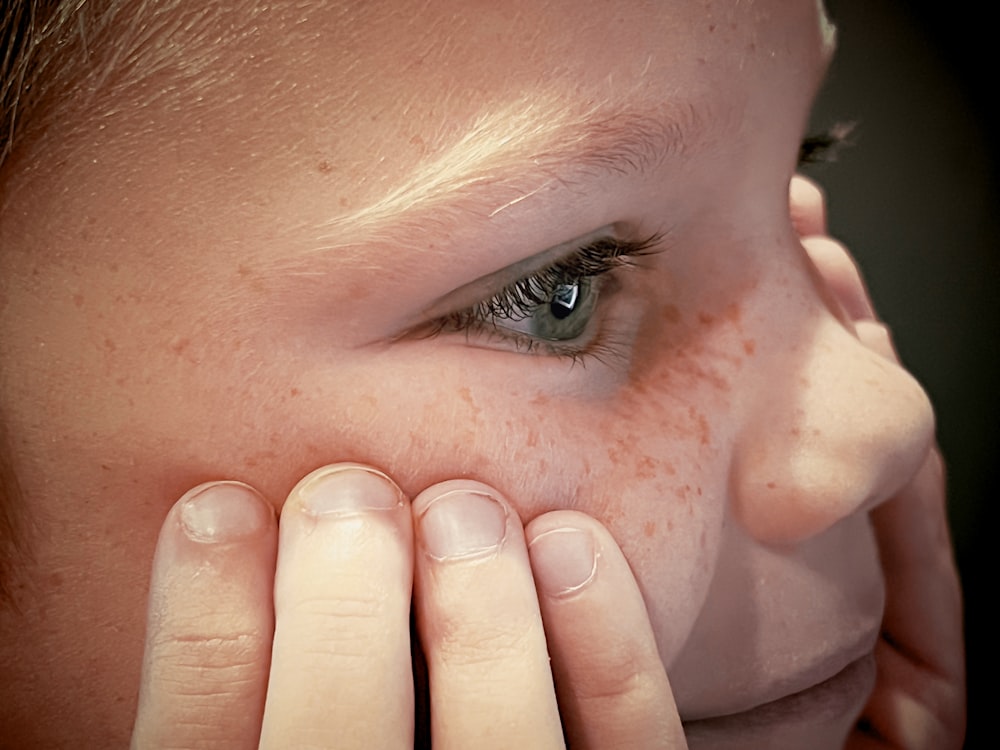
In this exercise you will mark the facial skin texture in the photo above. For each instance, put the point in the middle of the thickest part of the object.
(217, 279)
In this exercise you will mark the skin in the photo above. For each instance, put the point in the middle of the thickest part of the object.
(233, 271)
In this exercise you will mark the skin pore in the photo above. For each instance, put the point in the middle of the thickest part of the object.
(240, 252)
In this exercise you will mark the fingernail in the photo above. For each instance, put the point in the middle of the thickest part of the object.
(224, 512)
(564, 561)
(348, 489)
(463, 524)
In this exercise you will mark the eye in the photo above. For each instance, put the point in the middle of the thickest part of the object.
(564, 316)
(555, 310)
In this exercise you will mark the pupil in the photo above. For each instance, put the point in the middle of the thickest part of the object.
(564, 301)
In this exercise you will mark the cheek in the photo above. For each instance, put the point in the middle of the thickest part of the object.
(639, 457)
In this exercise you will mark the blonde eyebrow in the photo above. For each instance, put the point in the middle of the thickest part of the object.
(518, 152)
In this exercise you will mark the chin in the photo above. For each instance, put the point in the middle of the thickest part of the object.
(819, 717)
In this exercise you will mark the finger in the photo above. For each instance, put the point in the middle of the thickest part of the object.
(208, 640)
(919, 698)
(488, 668)
(612, 688)
(922, 625)
(340, 674)
(840, 272)
(807, 206)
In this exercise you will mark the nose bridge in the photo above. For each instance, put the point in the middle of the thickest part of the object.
(840, 430)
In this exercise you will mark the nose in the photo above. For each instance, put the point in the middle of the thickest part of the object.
(843, 430)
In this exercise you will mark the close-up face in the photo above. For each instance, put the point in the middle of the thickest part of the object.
(544, 248)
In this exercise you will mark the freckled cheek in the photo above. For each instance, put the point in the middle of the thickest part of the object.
(647, 465)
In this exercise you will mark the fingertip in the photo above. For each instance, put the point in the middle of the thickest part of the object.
(463, 519)
(564, 560)
(807, 206)
(344, 489)
(223, 512)
(839, 270)
(878, 338)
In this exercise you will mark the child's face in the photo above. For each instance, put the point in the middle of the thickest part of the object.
(228, 271)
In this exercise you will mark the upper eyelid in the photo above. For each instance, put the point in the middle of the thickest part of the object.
(620, 252)
(485, 287)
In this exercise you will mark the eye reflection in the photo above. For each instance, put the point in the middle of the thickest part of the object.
(564, 316)
(555, 310)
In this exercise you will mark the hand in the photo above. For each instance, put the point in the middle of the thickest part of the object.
(300, 636)
(919, 696)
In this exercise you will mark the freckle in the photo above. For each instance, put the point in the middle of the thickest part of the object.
(771, 485)
(749, 346)
(645, 468)
(649, 528)
(105, 467)
(110, 345)
(539, 400)
(796, 431)
(671, 314)
(705, 319)
(295, 392)
(78, 300)
(179, 344)
(242, 270)
(733, 313)
(344, 203)
(704, 432)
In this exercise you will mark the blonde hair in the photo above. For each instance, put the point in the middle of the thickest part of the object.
(41, 41)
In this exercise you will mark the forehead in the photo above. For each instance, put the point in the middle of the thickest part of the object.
(455, 56)
(349, 110)
(379, 86)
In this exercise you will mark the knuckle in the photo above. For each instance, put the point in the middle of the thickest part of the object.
(484, 644)
(343, 627)
(209, 668)
(624, 671)
(210, 651)
(357, 609)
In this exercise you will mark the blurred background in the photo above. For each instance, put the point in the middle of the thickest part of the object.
(915, 198)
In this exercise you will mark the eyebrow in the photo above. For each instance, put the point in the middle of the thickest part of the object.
(518, 152)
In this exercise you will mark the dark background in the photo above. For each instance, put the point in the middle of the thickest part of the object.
(916, 200)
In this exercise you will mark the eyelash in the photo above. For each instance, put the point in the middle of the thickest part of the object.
(520, 299)
(824, 147)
